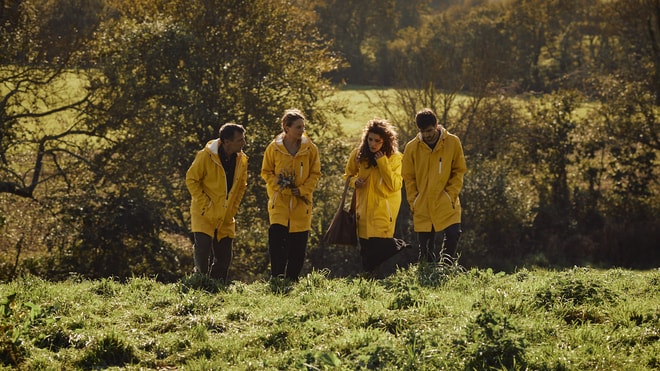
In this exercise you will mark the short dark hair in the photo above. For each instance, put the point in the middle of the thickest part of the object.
(228, 130)
(425, 118)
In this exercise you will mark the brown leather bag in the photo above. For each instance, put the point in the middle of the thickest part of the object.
(343, 229)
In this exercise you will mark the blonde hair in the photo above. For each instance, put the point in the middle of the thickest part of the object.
(290, 116)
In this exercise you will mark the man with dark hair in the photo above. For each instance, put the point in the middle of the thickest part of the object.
(433, 168)
(217, 180)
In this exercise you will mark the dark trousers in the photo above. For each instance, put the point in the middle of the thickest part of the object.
(428, 248)
(287, 251)
(376, 250)
(212, 257)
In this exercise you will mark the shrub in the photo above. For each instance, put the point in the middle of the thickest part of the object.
(491, 343)
(109, 351)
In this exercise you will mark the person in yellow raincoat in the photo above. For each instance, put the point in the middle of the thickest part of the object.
(433, 169)
(374, 170)
(217, 180)
(291, 168)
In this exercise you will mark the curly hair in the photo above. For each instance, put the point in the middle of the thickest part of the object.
(390, 140)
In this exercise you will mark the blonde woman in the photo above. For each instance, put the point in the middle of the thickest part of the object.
(374, 169)
(291, 168)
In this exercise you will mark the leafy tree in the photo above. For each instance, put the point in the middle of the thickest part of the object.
(551, 147)
(360, 30)
(36, 90)
(45, 140)
(635, 28)
(166, 75)
(203, 64)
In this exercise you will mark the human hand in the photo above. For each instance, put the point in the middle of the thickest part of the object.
(378, 155)
(359, 182)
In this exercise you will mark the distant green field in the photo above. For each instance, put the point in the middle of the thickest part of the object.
(362, 104)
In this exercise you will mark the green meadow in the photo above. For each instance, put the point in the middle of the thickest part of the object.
(361, 104)
(421, 318)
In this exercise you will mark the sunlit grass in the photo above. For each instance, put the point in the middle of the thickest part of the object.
(362, 104)
(577, 319)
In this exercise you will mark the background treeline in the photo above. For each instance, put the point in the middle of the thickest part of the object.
(103, 104)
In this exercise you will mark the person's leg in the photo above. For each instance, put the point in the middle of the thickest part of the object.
(450, 242)
(367, 252)
(222, 255)
(277, 241)
(202, 252)
(427, 246)
(296, 254)
(377, 250)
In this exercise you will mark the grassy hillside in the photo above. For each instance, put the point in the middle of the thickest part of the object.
(361, 104)
(422, 318)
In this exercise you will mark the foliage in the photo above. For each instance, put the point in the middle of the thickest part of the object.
(111, 350)
(16, 321)
(492, 343)
(580, 319)
(101, 115)
(120, 237)
(156, 83)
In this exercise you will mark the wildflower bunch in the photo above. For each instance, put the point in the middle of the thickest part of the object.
(286, 179)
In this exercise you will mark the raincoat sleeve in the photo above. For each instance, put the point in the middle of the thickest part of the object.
(268, 168)
(241, 186)
(390, 171)
(308, 186)
(458, 169)
(194, 177)
(352, 168)
(408, 174)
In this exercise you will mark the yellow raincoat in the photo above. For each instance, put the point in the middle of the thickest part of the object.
(304, 169)
(212, 208)
(433, 180)
(378, 201)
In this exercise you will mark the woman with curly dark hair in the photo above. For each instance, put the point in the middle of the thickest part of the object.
(374, 170)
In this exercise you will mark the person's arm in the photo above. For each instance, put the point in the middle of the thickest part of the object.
(352, 168)
(195, 175)
(268, 168)
(458, 169)
(240, 184)
(390, 171)
(409, 176)
(308, 186)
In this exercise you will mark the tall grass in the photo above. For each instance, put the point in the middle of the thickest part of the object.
(577, 319)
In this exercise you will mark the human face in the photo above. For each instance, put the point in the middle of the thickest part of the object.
(375, 142)
(430, 134)
(235, 144)
(296, 129)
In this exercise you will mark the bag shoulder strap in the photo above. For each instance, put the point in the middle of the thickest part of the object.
(352, 208)
(343, 195)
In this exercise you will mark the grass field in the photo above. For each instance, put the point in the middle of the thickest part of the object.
(422, 318)
(362, 104)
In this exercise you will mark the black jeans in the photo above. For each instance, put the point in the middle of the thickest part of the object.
(428, 248)
(212, 257)
(376, 250)
(287, 251)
